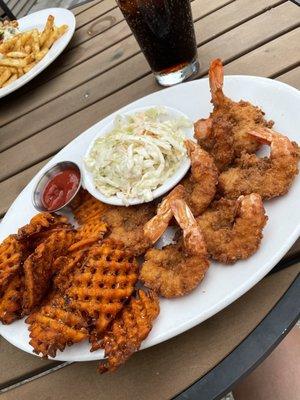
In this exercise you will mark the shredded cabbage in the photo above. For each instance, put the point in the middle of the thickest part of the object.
(140, 153)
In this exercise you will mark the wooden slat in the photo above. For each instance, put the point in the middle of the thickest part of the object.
(80, 9)
(13, 186)
(12, 4)
(276, 61)
(167, 368)
(19, 7)
(295, 249)
(81, 120)
(291, 78)
(96, 26)
(18, 363)
(94, 12)
(228, 45)
(26, 9)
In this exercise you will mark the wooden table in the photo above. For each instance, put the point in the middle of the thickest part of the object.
(101, 71)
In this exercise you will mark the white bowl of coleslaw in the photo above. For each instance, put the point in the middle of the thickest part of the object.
(138, 156)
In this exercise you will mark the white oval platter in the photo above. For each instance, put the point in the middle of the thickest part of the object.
(222, 284)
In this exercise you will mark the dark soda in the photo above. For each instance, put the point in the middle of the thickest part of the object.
(164, 30)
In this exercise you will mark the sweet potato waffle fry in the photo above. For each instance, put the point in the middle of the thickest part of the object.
(38, 267)
(42, 222)
(11, 300)
(23, 51)
(54, 326)
(89, 233)
(11, 257)
(129, 329)
(86, 207)
(65, 266)
(102, 284)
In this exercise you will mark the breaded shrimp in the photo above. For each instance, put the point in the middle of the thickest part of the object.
(178, 268)
(270, 177)
(215, 135)
(242, 115)
(157, 225)
(232, 229)
(200, 184)
(126, 224)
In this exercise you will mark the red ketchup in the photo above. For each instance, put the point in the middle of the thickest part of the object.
(60, 188)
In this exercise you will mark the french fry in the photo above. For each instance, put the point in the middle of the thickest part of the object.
(16, 62)
(28, 67)
(13, 70)
(13, 78)
(27, 49)
(20, 72)
(35, 41)
(62, 29)
(47, 30)
(51, 39)
(5, 75)
(25, 37)
(41, 54)
(6, 46)
(16, 54)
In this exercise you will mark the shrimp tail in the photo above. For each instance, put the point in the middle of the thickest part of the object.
(157, 225)
(280, 144)
(192, 235)
(203, 128)
(216, 79)
(251, 207)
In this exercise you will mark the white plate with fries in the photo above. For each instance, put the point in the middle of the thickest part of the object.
(42, 38)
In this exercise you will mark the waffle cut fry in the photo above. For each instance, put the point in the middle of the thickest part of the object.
(53, 327)
(65, 266)
(38, 267)
(88, 234)
(101, 286)
(42, 222)
(11, 300)
(11, 257)
(129, 329)
(87, 208)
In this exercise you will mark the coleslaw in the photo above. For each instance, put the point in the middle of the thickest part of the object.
(138, 155)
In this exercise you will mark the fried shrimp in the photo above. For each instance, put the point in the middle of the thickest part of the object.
(126, 224)
(178, 268)
(157, 225)
(215, 135)
(242, 115)
(200, 184)
(269, 177)
(232, 229)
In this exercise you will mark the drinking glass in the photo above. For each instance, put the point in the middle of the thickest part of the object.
(165, 32)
